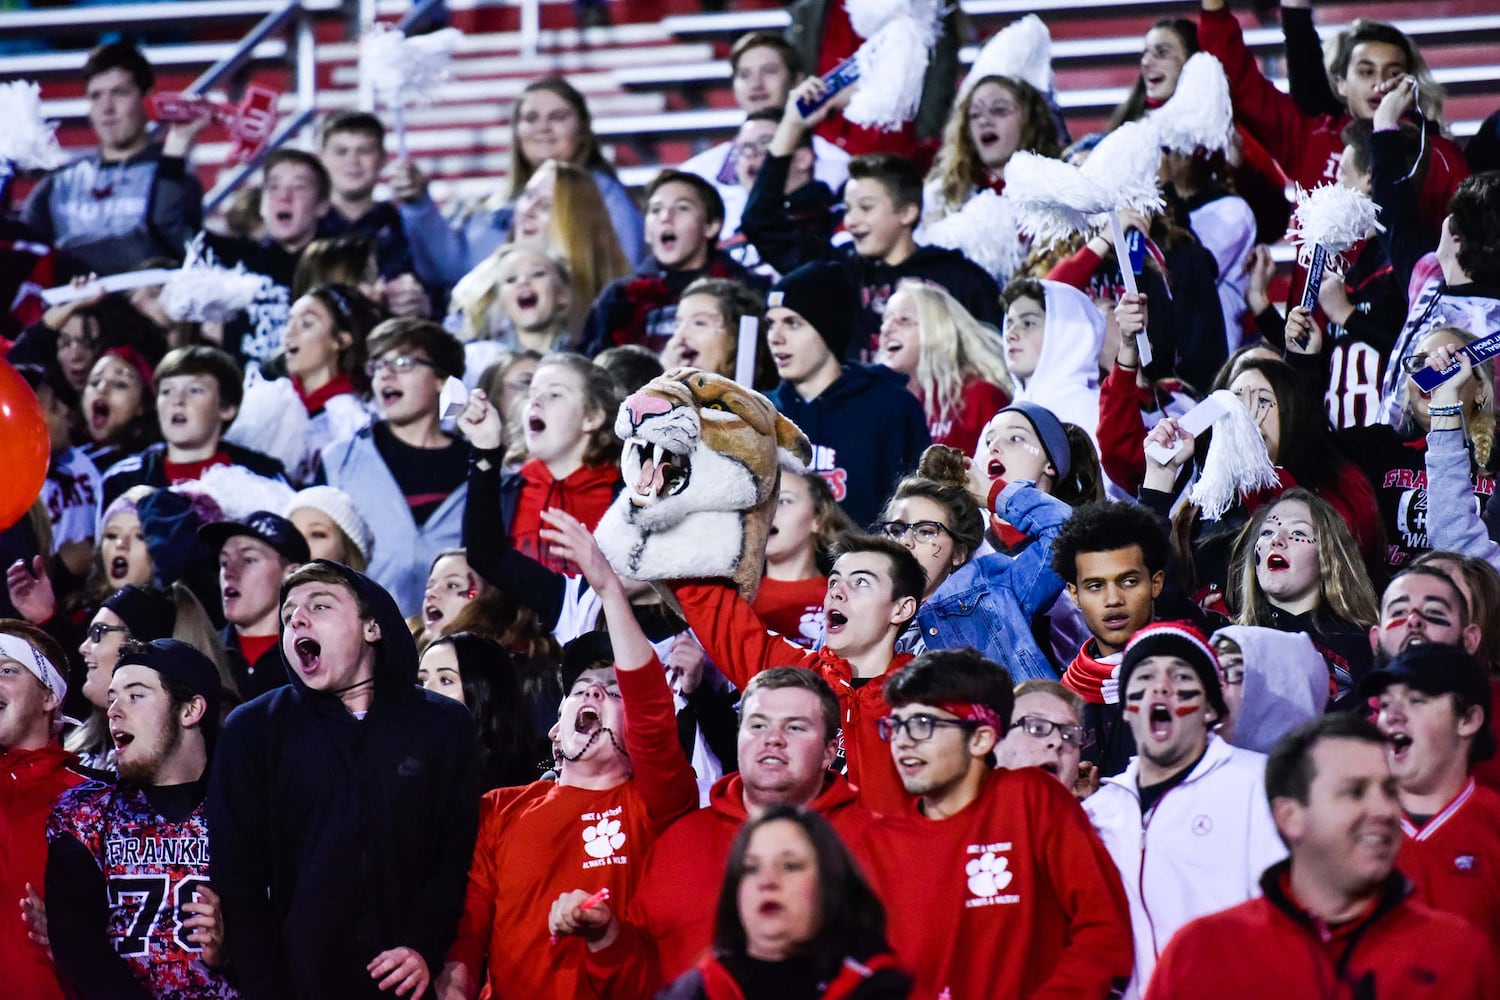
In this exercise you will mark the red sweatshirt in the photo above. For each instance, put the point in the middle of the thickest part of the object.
(1454, 861)
(541, 840)
(740, 645)
(979, 401)
(670, 923)
(30, 781)
(1308, 147)
(1013, 897)
(586, 494)
(1270, 947)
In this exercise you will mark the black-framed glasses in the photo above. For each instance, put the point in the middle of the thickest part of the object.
(918, 727)
(97, 631)
(400, 364)
(927, 532)
(1074, 736)
(1232, 675)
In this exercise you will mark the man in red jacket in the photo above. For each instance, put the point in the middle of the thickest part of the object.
(1337, 920)
(34, 771)
(1434, 706)
(994, 883)
(788, 738)
(1303, 130)
(873, 592)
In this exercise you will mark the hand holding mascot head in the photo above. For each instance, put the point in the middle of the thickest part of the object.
(702, 466)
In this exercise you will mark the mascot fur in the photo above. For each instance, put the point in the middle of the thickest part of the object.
(702, 466)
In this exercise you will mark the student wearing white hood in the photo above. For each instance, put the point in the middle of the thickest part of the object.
(1273, 682)
(1053, 335)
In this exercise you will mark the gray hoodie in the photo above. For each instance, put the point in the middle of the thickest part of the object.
(1286, 684)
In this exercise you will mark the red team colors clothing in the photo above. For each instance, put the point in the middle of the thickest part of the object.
(670, 921)
(30, 781)
(1014, 898)
(1271, 947)
(739, 645)
(1454, 861)
(541, 840)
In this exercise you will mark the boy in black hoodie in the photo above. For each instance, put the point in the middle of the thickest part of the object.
(867, 430)
(343, 806)
(684, 215)
(882, 206)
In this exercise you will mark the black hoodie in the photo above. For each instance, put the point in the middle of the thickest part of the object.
(333, 838)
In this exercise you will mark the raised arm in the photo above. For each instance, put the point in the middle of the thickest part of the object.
(1307, 79)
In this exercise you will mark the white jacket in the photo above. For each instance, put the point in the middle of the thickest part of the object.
(1201, 848)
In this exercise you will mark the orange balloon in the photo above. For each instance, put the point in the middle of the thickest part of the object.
(25, 446)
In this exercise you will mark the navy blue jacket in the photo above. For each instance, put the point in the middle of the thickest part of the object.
(333, 838)
(867, 431)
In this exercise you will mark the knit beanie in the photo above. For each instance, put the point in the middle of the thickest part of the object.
(339, 506)
(182, 663)
(823, 294)
(1185, 642)
(148, 613)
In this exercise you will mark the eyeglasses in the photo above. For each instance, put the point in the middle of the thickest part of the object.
(927, 532)
(1074, 736)
(1232, 675)
(400, 364)
(97, 631)
(752, 149)
(918, 727)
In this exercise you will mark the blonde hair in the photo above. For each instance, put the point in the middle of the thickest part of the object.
(476, 298)
(582, 234)
(1343, 584)
(1479, 426)
(956, 348)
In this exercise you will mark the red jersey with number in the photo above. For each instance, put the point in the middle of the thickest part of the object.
(151, 867)
(1454, 859)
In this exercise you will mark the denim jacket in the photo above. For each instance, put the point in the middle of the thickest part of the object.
(989, 602)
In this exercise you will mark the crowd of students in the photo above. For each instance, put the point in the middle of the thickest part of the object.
(315, 682)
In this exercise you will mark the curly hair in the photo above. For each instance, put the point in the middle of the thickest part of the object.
(1474, 220)
(957, 170)
(942, 478)
(1107, 525)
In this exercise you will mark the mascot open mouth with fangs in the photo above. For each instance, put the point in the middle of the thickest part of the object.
(701, 466)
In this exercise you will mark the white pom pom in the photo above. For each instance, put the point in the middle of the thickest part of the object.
(201, 291)
(1022, 50)
(400, 69)
(1053, 199)
(892, 66)
(1237, 464)
(986, 231)
(27, 141)
(1199, 113)
(868, 16)
(1334, 216)
(1126, 162)
(240, 492)
(272, 420)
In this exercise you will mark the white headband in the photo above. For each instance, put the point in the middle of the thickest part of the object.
(15, 648)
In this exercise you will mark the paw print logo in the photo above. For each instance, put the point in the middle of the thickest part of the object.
(811, 624)
(603, 838)
(988, 874)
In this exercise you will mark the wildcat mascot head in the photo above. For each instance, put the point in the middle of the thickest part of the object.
(701, 465)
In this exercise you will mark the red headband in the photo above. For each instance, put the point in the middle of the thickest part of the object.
(975, 712)
(134, 359)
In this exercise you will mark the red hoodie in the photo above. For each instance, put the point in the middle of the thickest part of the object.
(1308, 147)
(586, 494)
(739, 644)
(670, 922)
(30, 782)
(1014, 896)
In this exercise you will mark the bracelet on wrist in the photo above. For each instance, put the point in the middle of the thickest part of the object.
(1451, 410)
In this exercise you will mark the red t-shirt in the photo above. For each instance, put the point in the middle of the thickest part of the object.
(1454, 860)
(1014, 896)
(793, 608)
(253, 647)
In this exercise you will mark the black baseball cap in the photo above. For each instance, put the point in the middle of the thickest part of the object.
(181, 662)
(587, 651)
(273, 529)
